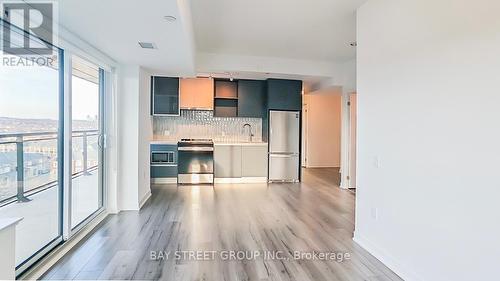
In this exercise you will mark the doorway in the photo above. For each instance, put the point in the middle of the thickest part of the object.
(322, 132)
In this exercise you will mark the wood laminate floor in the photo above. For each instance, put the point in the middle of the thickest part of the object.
(254, 220)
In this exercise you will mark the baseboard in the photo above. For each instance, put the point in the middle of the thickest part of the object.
(144, 199)
(163, 180)
(242, 180)
(42, 266)
(320, 166)
(402, 271)
(343, 186)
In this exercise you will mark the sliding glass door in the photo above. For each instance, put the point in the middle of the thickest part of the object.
(87, 160)
(51, 146)
(31, 154)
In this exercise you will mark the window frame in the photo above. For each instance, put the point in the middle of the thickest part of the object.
(107, 77)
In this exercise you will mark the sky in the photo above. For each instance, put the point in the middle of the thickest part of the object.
(32, 92)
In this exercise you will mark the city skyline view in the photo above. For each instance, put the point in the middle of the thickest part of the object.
(32, 92)
(30, 96)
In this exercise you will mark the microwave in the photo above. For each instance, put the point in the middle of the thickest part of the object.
(162, 157)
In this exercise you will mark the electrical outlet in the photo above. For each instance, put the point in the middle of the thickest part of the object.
(374, 213)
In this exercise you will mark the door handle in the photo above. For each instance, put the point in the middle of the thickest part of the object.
(101, 141)
(283, 155)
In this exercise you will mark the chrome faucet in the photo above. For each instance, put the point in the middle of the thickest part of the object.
(250, 134)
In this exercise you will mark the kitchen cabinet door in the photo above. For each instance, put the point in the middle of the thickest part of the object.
(197, 93)
(164, 171)
(251, 98)
(284, 94)
(227, 160)
(254, 161)
(165, 95)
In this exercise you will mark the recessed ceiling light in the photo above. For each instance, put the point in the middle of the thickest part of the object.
(170, 18)
(147, 45)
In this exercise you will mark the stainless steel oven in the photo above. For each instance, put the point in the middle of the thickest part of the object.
(195, 161)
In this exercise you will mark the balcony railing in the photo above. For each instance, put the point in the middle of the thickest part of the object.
(18, 143)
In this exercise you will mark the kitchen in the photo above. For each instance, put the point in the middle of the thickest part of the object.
(217, 130)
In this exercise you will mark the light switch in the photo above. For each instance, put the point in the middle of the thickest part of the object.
(374, 213)
(376, 162)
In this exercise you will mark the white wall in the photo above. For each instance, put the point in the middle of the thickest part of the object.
(145, 134)
(322, 130)
(208, 62)
(347, 76)
(135, 131)
(128, 121)
(428, 137)
(352, 136)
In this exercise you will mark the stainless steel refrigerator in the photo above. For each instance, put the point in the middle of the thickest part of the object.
(284, 146)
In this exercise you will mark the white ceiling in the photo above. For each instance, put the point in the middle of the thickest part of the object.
(315, 30)
(302, 38)
(116, 26)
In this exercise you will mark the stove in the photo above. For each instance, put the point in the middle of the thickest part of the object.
(196, 140)
(196, 161)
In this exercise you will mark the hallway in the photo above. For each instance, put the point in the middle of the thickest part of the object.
(277, 219)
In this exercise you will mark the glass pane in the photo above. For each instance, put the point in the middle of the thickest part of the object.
(8, 181)
(40, 163)
(29, 127)
(86, 195)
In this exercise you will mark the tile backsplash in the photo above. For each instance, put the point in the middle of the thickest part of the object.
(202, 124)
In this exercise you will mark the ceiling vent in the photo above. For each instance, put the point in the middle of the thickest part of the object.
(147, 45)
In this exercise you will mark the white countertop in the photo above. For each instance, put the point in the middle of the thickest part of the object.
(4, 223)
(162, 140)
(242, 143)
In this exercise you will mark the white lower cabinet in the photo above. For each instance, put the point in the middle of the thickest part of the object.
(227, 160)
(240, 161)
(254, 161)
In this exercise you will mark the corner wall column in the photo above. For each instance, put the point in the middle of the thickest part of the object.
(345, 146)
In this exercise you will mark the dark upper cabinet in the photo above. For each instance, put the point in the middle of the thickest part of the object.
(226, 98)
(226, 89)
(251, 98)
(165, 96)
(284, 94)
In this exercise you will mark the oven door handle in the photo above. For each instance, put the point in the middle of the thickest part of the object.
(199, 148)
